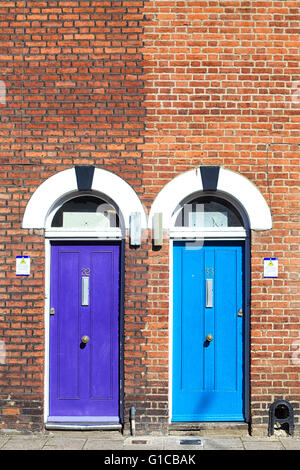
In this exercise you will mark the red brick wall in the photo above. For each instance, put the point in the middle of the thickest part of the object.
(222, 87)
(149, 89)
(73, 76)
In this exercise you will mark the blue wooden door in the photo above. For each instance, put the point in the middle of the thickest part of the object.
(84, 332)
(208, 370)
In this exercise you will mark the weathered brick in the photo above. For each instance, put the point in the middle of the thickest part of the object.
(148, 90)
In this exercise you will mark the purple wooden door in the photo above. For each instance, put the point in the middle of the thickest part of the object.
(84, 376)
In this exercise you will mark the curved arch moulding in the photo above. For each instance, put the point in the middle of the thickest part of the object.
(65, 183)
(224, 181)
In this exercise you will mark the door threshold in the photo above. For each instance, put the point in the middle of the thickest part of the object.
(205, 428)
(81, 426)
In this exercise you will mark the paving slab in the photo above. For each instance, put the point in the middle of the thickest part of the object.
(143, 443)
(290, 443)
(257, 443)
(24, 443)
(222, 443)
(183, 443)
(3, 440)
(64, 443)
(164, 443)
(95, 440)
(103, 444)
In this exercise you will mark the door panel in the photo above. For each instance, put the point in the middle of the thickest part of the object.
(102, 327)
(228, 334)
(84, 377)
(208, 293)
(67, 371)
(192, 357)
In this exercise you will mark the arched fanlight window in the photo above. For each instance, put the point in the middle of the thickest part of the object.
(87, 212)
(208, 212)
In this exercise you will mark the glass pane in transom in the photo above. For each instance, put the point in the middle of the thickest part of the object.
(208, 212)
(86, 212)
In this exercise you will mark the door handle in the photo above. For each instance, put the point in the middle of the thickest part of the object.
(209, 338)
(209, 293)
(85, 339)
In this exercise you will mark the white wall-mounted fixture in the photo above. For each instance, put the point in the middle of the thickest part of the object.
(157, 229)
(135, 228)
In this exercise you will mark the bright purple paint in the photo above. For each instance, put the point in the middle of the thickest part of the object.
(84, 379)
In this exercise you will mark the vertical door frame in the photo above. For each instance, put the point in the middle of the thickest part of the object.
(252, 206)
(80, 238)
(47, 198)
(246, 262)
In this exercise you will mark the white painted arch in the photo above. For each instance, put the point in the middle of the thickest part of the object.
(230, 183)
(64, 183)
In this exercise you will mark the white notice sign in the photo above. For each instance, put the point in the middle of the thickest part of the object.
(270, 267)
(22, 265)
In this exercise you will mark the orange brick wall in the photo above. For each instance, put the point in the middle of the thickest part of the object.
(149, 89)
(221, 84)
(74, 90)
